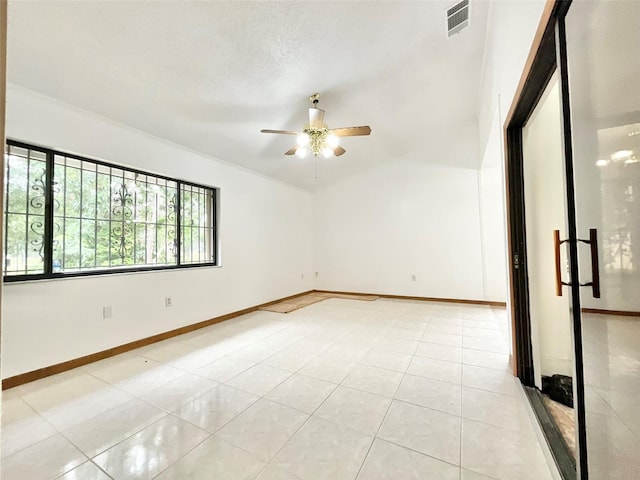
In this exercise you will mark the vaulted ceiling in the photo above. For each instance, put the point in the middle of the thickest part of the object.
(210, 75)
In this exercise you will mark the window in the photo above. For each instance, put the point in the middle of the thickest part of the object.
(66, 215)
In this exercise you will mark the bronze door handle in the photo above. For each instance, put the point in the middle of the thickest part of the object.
(556, 248)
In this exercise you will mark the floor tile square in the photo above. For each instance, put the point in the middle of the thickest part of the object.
(214, 459)
(442, 338)
(49, 458)
(498, 361)
(275, 473)
(355, 409)
(396, 345)
(496, 409)
(224, 368)
(486, 344)
(323, 450)
(437, 369)
(427, 392)
(75, 399)
(301, 392)
(489, 379)
(215, 408)
(328, 368)
(86, 471)
(259, 379)
(440, 352)
(148, 452)
(22, 426)
(387, 461)
(107, 429)
(373, 380)
(502, 454)
(178, 391)
(389, 360)
(424, 430)
(263, 428)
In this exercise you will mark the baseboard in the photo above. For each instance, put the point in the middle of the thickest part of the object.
(600, 311)
(44, 372)
(425, 299)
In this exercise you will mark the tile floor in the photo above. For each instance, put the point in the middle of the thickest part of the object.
(342, 389)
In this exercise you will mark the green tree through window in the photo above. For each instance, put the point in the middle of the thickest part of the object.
(68, 215)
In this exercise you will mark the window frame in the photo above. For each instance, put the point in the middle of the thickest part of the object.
(48, 236)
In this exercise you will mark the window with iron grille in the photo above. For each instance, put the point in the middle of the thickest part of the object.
(66, 216)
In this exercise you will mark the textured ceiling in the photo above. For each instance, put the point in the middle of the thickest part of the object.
(210, 75)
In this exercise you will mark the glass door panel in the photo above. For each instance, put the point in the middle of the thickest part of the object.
(546, 212)
(603, 41)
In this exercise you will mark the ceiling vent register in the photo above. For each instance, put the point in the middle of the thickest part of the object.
(457, 17)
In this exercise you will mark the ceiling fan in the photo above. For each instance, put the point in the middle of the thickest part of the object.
(317, 138)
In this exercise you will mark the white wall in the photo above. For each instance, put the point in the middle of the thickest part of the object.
(492, 215)
(265, 233)
(510, 31)
(415, 215)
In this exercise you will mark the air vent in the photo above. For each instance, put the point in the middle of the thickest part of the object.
(457, 17)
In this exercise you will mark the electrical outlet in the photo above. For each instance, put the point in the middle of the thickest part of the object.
(302, 276)
(167, 301)
(316, 274)
(107, 312)
(413, 278)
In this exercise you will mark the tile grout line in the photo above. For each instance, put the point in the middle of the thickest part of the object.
(312, 415)
(294, 433)
(384, 417)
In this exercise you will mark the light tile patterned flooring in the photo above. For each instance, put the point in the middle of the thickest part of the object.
(342, 389)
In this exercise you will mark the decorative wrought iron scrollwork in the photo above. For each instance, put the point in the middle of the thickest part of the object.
(172, 208)
(172, 242)
(39, 185)
(122, 202)
(121, 233)
(37, 227)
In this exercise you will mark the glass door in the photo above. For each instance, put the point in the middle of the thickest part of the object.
(545, 218)
(603, 60)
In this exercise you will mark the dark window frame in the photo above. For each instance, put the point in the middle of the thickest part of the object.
(48, 237)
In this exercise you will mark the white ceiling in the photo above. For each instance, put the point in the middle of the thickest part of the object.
(210, 75)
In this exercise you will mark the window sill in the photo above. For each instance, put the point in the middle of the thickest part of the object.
(7, 281)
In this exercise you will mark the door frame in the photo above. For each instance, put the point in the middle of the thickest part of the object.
(547, 55)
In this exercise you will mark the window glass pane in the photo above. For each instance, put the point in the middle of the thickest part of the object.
(102, 217)
(88, 245)
(196, 205)
(71, 259)
(25, 181)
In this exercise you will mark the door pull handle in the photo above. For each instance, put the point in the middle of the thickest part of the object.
(595, 267)
(556, 248)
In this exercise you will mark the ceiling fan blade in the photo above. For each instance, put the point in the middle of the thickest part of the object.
(351, 131)
(316, 117)
(283, 132)
(337, 151)
(291, 151)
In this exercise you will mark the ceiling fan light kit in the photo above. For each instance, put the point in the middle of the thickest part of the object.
(317, 138)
